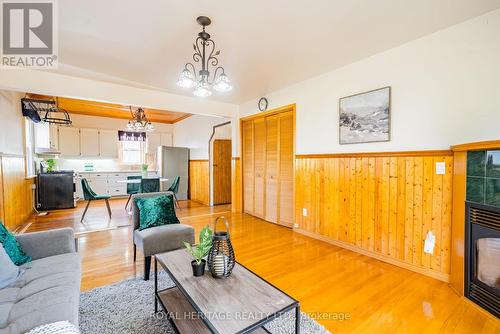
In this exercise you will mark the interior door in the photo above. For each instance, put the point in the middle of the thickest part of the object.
(248, 170)
(286, 160)
(259, 128)
(271, 179)
(221, 164)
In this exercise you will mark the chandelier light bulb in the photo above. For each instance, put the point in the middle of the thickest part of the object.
(186, 79)
(222, 84)
(202, 90)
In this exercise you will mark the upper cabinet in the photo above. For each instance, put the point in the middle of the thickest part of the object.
(89, 142)
(166, 139)
(108, 143)
(156, 139)
(69, 141)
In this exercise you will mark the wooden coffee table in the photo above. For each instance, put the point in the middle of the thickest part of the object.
(241, 303)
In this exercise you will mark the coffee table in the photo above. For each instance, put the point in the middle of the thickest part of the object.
(242, 303)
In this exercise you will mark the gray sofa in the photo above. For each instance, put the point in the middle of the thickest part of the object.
(49, 289)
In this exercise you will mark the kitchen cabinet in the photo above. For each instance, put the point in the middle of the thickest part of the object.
(89, 142)
(106, 183)
(53, 136)
(69, 141)
(166, 139)
(153, 141)
(108, 143)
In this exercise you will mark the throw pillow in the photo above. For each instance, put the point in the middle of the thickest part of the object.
(12, 247)
(60, 327)
(156, 211)
(9, 272)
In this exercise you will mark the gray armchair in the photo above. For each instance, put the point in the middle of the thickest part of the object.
(159, 239)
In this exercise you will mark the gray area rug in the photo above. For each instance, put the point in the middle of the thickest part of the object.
(127, 308)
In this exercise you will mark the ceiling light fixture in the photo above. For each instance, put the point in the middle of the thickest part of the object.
(204, 53)
(139, 121)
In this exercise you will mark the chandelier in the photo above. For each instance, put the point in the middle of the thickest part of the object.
(204, 53)
(139, 121)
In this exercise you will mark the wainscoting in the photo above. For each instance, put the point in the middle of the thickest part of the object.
(199, 181)
(236, 185)
(379, 204)
(16, 200)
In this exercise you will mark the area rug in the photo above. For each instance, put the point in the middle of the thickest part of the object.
(127, 308)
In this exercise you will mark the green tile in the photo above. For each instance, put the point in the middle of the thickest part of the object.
(476, 163)
(493, 164)
(492, 192)
(475, 189)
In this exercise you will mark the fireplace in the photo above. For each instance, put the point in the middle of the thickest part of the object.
(482, 256)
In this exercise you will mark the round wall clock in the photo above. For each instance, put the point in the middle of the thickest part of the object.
(263, 104)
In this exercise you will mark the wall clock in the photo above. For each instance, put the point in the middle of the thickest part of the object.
(263, 104)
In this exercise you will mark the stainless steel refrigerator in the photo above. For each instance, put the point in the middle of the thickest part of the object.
(172, 162)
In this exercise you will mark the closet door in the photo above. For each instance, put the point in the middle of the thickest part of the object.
(259, 128)
(248, 172)
(272, 165)
(286, 161)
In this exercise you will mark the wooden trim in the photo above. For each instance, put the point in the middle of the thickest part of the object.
(289, 107)
(235, 158)
(428, 272)
(425, 153)
(480, 145)
(198, 160)
(180, 119)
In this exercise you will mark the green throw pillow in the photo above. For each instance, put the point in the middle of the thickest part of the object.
(12, 247)
(156, 211)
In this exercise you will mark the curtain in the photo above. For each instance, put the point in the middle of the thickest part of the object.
(131, 136)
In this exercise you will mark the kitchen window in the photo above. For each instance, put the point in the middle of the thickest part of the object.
(132, 152)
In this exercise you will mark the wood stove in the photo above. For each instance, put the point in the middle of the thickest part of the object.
(482, 256)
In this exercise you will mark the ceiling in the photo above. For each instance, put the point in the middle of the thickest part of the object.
(100, 109)
(265, 45)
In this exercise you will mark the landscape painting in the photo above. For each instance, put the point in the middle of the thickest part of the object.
(365, 117)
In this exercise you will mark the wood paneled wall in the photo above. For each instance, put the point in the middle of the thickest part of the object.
(381, 205)
(236, 184)
(16, 199)
(199, 181)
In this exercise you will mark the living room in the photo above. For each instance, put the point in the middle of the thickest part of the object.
(338, 171)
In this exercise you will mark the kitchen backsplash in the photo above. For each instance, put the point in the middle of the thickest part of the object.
(99, 165)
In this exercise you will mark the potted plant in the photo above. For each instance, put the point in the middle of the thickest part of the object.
(51, 163)
(200, 251)
(144, 168)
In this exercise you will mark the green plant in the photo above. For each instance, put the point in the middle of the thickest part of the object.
(201, 250)
(144, 167)
(51, 163)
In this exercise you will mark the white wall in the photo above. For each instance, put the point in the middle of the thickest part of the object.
(12, 123)
(445, 91)
(194, 133)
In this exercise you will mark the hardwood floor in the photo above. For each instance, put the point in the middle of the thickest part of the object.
(331, 283)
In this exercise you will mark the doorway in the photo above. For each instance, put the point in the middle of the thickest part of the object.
(221, 166)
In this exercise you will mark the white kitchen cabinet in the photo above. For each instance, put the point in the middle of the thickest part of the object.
(54, 136)
(89, 142)
(166, 139)
(154, 140)
(108, 143)
(69, 141)
(99, 185)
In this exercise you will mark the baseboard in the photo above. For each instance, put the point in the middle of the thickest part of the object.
(424, 271)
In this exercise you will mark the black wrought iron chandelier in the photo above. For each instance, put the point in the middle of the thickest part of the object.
(139, 121)
(206, 54)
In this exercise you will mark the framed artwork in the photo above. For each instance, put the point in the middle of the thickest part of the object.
(365, 117)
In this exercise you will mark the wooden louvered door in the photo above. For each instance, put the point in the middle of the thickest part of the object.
(285, 177)
(272, 165)
(248, 170)
(268, 166)
(259, 126)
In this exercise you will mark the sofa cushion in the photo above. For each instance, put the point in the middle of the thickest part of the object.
(12, 247)
(48, 291)
(9, 271)
(156, 211)
(164, 238)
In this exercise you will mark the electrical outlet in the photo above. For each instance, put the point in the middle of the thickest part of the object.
(440, 168)
(429, 243)
(295, 225)
(33, 186)
(304, 212)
